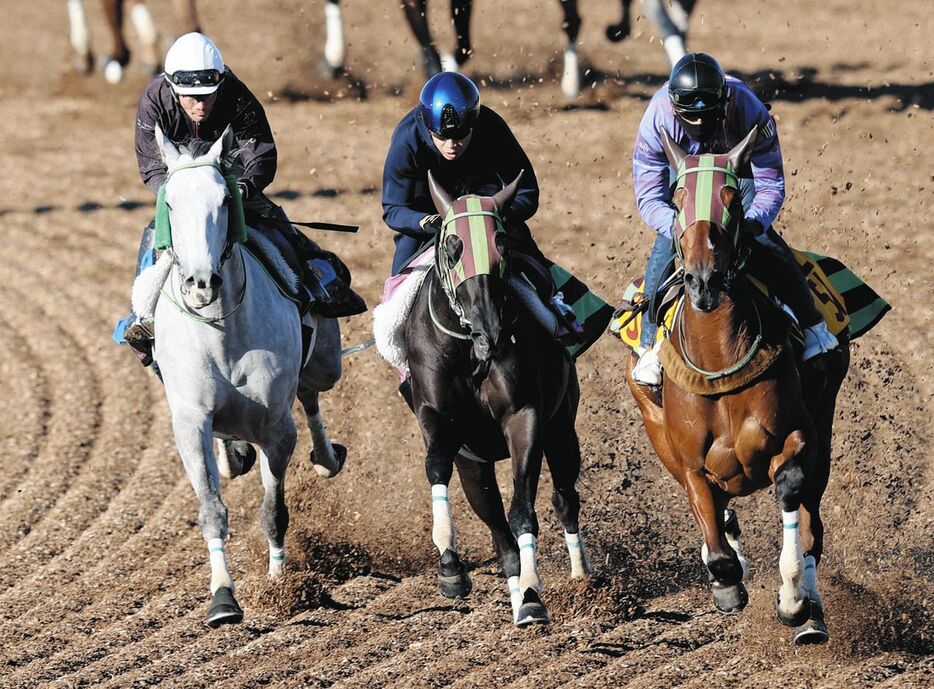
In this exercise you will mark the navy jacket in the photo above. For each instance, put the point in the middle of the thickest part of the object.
(492, 159)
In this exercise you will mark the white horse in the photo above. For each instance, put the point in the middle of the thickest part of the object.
(229, 348)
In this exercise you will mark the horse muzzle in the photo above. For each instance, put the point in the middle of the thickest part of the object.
(200, 293)
(705, 292)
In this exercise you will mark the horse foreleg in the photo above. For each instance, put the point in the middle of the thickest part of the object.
(791, 606)
(80, 37)
(723, 565)
(571, 24)
(273, 513)
(522, 435)
(416, 13)
(195, 445)
(441, 446)
(478, 479)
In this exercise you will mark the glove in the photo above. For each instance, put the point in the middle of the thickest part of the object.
(244, 189)
(431, 224)
(752, 228)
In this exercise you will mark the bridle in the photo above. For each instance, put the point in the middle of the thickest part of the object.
(225, 255)
(445, 273)
(737, 263)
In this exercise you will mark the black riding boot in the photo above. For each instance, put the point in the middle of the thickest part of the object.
(137, 333)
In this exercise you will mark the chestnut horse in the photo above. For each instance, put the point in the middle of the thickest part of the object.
(752, 419)
(484, 376)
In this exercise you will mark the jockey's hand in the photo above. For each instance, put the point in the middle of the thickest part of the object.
(752, 228)
(431, 224)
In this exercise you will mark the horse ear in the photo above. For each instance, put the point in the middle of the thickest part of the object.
(675, 153)
(740, 154)
(503, 197)
(223, 145)
(166, 148)
(440, 197)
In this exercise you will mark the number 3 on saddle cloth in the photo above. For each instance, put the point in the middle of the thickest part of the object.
(581, 315)
(847, 303)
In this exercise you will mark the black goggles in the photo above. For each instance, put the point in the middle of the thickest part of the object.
(202, 77)
(455, 134)
(692, 99)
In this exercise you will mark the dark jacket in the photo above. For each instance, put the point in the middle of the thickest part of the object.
(235, 106)
(492, 159)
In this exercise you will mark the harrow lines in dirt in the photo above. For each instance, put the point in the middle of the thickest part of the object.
(27, 405)
(73, 422)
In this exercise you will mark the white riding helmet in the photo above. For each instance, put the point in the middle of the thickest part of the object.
(194, 66)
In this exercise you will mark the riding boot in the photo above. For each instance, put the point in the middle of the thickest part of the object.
(132, 330)
(772, 261)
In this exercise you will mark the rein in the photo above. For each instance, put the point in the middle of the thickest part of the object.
(439, 325)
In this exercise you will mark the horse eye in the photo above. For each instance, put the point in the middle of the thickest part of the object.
(451, 262)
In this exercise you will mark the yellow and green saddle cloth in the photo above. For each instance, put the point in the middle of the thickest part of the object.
(848, 304)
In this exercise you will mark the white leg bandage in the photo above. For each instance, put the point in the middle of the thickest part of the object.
(528, 573)
(80, 35)
(442, 532)
(580, 565)
(571, 77)
(791, 565)
(220, 576)
(276, 560)
(334, 44)
(515, 596)
(674, 48)
(144, 25)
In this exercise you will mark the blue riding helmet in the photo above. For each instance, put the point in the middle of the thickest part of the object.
(449, 104)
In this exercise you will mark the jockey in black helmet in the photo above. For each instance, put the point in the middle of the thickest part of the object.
(705, 111)
(469, 150)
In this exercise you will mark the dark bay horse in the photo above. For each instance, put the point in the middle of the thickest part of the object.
(487, 384)
(747, 418)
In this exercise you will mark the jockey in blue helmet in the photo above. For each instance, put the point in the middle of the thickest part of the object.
(469, 149)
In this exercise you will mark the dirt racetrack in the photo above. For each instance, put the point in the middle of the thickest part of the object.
(103, 572)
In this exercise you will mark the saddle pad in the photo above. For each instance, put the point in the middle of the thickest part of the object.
(846, 302)
(590, 311)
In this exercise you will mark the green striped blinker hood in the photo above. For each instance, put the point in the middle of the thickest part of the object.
(476, 221)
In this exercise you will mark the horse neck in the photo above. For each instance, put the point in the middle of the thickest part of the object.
(718, 339)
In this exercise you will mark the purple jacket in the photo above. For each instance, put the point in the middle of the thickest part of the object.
(652, 177)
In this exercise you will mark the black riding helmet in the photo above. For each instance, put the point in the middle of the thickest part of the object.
(697, 91)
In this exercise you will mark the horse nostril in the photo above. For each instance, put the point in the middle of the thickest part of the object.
(715, 283)
(689, 278)
(216, 281)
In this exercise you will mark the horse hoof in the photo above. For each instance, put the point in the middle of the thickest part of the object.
(453, 580)
(532, 610)
(814, 630)
(224, 609)
(340, 455)
(729, 600)
(246, 453)
(795, 620)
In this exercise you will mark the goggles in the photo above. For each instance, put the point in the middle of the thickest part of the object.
(202, 77)
(694, 100)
